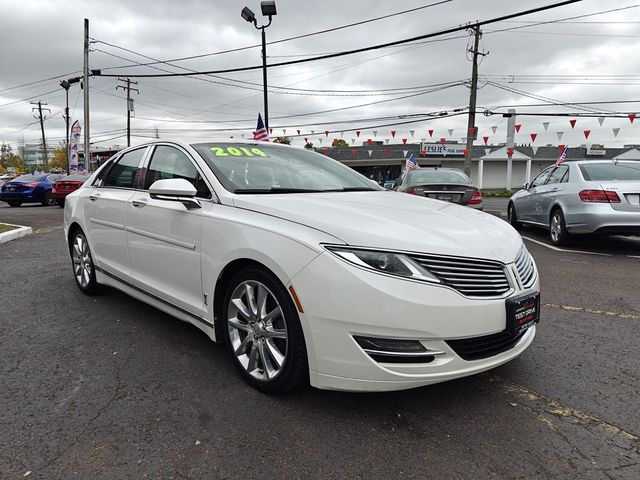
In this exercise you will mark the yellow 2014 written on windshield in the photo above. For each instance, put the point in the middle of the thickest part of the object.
(238, 152)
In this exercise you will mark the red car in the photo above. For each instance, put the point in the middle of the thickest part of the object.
(65, 186)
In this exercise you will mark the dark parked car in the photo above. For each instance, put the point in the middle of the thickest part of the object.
(29, 189)
(448, 184)
(66, 185)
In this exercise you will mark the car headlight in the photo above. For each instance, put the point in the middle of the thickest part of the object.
(395, 264)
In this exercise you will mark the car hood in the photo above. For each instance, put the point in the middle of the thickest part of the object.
(395, 221)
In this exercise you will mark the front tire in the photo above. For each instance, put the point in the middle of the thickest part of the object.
(60, 202)
(82, 262)
(14, 203)
(263, 332)
(513, 217)
(558, 230)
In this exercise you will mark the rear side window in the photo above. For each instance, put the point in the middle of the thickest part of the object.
(169, 162)
(604, 172)
(125, 172)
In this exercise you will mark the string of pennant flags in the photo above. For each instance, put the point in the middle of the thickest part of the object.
(431, 135)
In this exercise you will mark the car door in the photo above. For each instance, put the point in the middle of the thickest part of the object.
(525, 204)
(546, 194)
(164, 237)
(104, 213)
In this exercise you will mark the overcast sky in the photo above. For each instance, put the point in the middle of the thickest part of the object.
(588, 59)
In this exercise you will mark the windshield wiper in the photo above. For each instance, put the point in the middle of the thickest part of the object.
(277, 190)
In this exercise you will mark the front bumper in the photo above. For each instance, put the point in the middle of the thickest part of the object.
(341, 300)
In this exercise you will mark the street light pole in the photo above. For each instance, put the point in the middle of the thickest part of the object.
(264, 78)
(66, 84)
(268, 10)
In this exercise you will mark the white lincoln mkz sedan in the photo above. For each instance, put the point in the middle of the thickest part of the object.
(306, 270)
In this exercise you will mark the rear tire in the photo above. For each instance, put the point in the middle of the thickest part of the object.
(513, 217)
(60, 202)
(263, 332)
(557, 229)
(48, 200)
(14, 203)
(84, 271)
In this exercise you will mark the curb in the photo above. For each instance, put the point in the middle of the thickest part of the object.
(15, 233)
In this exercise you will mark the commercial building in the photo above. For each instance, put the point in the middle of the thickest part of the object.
(489, 163)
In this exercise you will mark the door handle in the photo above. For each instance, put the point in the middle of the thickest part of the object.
(94, 196)
(141, 202)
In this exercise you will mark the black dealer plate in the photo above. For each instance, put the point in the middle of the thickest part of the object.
(523, 312)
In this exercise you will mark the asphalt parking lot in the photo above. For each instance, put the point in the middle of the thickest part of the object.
(108, 387)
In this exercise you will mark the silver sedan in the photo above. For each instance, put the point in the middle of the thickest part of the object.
(581, 197)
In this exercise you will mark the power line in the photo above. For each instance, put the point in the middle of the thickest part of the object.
(192, 57)
(363, 49)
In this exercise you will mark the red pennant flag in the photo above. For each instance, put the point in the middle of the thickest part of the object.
(305, 140)
(518, 127)
(358, 133)
(510, 150)
(586, 133)
(430, 133)
(387, 151)
(442, 140)
(560, 147)
(465, 151)
(353, 152)
(368, 141)
(533, 137)
(632, 117)
(486, 140)
(404, 141)
(298, 132)
(393, 133)
(572, 122)
(326, 133)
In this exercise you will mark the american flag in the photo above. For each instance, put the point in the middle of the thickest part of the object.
(412, 163)
(562, 156)
(261, 132)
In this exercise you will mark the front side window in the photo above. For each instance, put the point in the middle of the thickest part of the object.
(125, 172)
(260, 168)
(559, 175)
(540, 179)
(169, 162)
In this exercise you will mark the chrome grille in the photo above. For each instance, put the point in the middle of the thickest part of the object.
(469, 276)
(526, 268)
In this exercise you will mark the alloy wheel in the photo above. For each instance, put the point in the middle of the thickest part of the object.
(556, 227)
(257, 330)
(82, 264)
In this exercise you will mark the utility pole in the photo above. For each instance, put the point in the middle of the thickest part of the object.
(511, 132)
(85, 86)
(39, 109)
(471, 126)
(128, 88)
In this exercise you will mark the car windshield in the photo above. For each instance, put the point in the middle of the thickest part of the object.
(30, 178)
(603, 172)
(423, 176)
(263, 168)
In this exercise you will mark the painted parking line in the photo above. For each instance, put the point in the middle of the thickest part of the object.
(558, 249)
(593, 311)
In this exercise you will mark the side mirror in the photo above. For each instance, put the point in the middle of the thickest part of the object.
(172, 189)
(526, 186)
